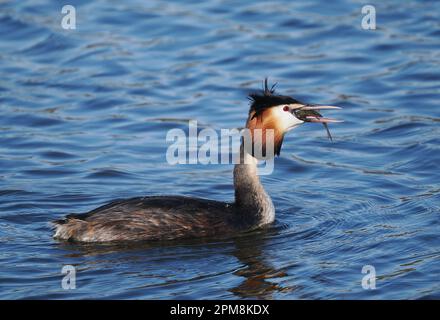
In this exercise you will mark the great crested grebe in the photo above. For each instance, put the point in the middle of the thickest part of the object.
(180, 217)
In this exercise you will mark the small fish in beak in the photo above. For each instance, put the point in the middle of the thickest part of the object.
(309, 113)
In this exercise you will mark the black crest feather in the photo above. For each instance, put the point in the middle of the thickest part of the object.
(266, 99)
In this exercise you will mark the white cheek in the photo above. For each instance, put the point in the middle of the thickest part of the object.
(288, 120)
(294, 122)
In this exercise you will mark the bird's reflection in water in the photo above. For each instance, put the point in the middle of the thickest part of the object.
(250, 250)
(256, 270)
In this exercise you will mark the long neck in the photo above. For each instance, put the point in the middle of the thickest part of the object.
(253, 203)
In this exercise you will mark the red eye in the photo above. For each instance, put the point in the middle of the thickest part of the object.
(286, 108)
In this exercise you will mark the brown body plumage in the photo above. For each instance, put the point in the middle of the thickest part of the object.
(149, 218)
(174, 217)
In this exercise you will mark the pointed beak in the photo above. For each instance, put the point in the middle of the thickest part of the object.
(309, 113)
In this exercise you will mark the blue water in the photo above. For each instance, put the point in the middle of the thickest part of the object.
(84, 114)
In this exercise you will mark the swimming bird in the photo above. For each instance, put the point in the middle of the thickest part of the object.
(153, 218)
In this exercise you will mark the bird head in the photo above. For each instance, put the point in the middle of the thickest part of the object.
(281, 114)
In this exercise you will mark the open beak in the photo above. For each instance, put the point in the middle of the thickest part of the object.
(309, 113)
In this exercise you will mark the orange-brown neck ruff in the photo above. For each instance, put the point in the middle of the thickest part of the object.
(264, 121)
